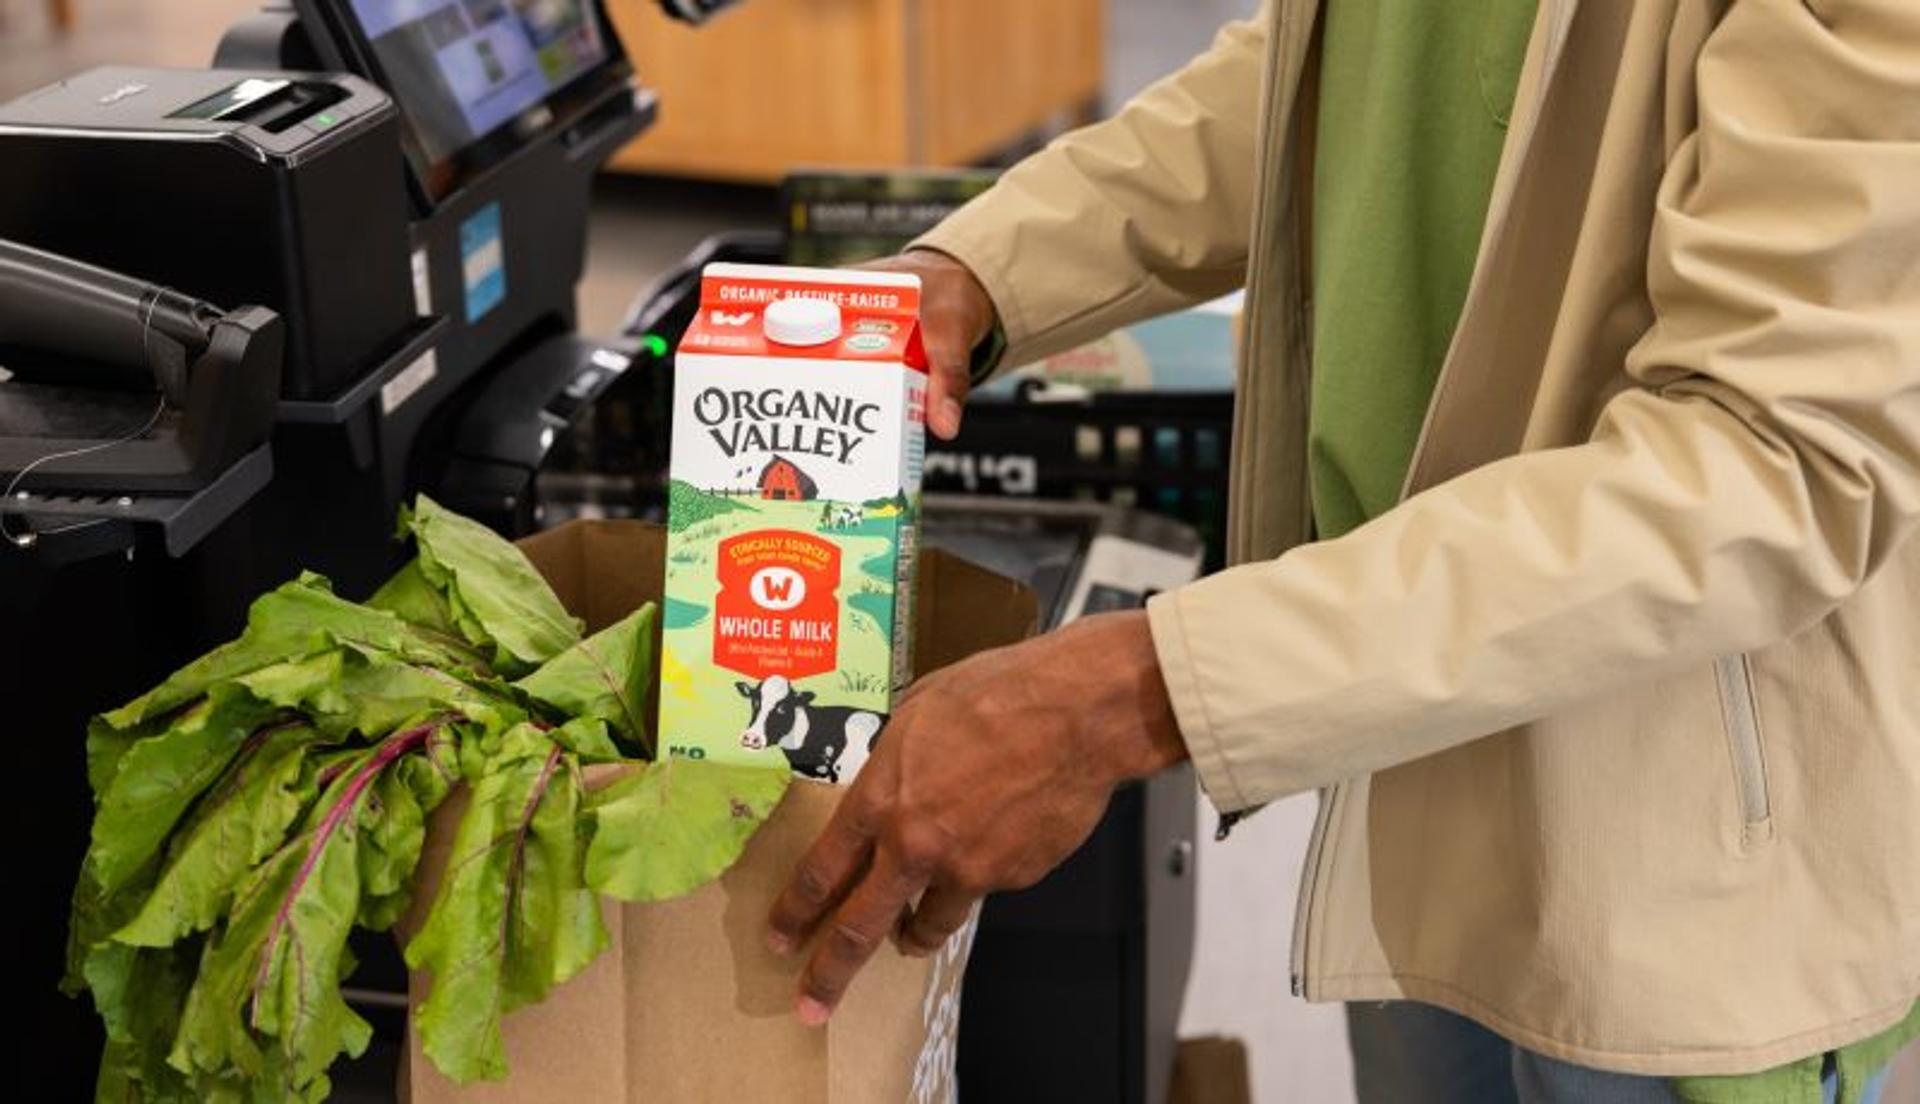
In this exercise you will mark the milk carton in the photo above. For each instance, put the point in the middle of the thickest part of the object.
(799, 419)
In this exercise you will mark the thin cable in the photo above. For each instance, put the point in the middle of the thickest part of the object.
(28, 540)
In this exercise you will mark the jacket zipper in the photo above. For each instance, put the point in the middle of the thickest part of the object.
(1309, 880)
(1741, 709)
(1561, 12)
(1305, 100)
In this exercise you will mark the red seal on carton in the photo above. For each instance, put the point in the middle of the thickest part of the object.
(777, 612)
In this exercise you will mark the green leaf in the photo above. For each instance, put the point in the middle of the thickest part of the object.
(266, 1004)
(161, 776)
(299, 906)
(586, 738)
(410, 597)
(127, 1076)
(604, 676)
(310, 682)
(242, 821)
(494, 595)
(107, 746)
(300, 619)
(94, 916)
(369, 692)
(669, 828)
(139, 994)
(513, 918)
(393, 828)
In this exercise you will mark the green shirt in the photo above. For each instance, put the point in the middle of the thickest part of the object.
(1799, 1083)
(1414, 101)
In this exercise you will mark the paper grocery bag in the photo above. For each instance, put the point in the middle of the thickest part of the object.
(688, 1005)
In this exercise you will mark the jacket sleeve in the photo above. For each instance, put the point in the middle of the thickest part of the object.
(1763, 464)
(1142, 214)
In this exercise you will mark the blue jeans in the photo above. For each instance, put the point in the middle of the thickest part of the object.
(1407, 1053)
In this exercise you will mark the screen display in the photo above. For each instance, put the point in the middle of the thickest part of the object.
(462, 69)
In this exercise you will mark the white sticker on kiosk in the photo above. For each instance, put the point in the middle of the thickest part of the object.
(422, 284)
(408, 383)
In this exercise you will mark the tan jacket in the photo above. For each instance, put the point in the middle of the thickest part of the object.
(1617, 716)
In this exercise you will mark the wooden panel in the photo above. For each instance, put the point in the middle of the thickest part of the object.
(771, 85)
(780, 84)
(992, 71)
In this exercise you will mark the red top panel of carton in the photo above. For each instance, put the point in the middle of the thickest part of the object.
(879, 314)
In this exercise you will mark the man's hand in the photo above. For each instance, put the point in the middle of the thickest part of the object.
(956, 315)
(989, 775)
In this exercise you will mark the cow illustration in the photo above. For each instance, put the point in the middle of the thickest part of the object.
(836, 516)
(815, 738)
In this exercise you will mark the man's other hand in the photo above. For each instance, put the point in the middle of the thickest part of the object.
(956, 315)
(989, 774)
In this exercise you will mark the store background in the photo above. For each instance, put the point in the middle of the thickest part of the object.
(641, 227)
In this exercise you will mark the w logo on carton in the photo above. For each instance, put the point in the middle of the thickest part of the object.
(734, 319)
(779, 588)
(776, 613)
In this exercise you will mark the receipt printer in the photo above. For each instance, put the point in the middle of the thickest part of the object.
(281, 189)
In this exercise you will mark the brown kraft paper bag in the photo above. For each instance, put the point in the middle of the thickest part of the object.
(688, 1005)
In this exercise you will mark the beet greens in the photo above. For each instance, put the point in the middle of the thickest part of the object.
(272, 797)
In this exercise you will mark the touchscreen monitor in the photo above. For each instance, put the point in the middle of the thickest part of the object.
(468, 74)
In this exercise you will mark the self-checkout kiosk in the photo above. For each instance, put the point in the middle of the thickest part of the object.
(245, 312)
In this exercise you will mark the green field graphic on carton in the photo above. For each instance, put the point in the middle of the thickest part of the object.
(705, 713)
(683, 615)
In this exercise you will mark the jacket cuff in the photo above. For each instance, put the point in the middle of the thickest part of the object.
(985, 255)
(1211, 760)
(989, 356)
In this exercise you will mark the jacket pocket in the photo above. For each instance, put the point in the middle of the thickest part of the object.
(1747, 747)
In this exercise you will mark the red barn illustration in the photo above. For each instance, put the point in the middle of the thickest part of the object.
(783, 481)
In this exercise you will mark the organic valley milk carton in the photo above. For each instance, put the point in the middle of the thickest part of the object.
(799, 417)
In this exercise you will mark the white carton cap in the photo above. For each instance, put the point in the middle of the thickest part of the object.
(802, 321)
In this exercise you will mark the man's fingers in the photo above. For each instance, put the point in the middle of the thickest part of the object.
(956, 313)
(824, 876)
(858, 929)
(943, 911)
(949, 378)
(947, 386)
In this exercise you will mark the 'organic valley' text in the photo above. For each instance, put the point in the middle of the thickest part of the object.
(812, 423)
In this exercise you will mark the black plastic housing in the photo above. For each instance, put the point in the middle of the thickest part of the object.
(269, 205)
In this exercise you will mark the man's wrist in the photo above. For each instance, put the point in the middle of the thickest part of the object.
(1167, 748)
(1139, 706)
(982, 313)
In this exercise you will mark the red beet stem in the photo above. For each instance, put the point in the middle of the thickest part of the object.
(389, 752)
